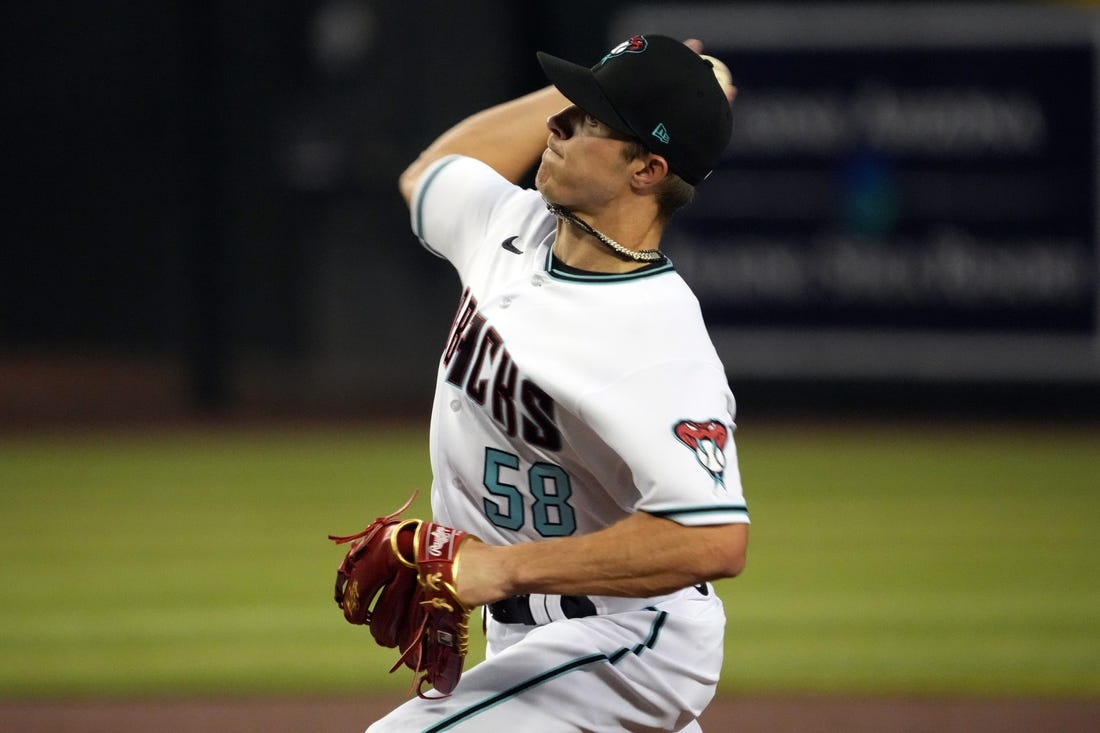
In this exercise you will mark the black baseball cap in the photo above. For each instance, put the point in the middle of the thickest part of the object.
(657, 90)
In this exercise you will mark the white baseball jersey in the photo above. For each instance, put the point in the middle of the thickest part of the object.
(565, 402)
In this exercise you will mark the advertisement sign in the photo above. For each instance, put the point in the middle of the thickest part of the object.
(911, 190)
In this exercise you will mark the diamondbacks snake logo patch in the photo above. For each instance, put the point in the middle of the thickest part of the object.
(707, 440)
(634, 44)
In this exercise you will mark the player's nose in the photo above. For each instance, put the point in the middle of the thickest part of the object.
(561, 122)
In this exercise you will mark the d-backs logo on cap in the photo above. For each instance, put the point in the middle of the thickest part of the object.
(634, 44)
(708, 441)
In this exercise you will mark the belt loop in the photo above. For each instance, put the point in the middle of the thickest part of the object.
(540, 609)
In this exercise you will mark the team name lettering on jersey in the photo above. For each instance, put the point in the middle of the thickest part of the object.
(478, 362)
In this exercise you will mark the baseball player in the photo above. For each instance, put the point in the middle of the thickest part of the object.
(582, 428)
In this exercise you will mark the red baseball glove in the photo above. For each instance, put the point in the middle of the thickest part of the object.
(398, 578)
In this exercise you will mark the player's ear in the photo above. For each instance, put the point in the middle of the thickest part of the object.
(649, 171)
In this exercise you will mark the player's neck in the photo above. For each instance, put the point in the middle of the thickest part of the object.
(585, 251)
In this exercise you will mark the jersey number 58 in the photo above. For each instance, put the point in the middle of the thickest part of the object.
(548, 489)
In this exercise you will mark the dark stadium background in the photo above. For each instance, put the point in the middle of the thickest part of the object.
(202, 218)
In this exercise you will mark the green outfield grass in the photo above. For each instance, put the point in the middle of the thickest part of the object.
(884, 559)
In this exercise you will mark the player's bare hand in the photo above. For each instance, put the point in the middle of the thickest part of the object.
(721, 71)
(479, 578)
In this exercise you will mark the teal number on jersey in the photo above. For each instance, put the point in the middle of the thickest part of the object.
(548, 485)
(551, 488)
(511, 516)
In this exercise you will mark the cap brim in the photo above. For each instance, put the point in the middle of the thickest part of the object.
(580, 87)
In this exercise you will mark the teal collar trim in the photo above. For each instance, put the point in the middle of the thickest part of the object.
(559, 271)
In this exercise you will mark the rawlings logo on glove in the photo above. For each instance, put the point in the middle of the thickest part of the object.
(398, 578)
(440, 536)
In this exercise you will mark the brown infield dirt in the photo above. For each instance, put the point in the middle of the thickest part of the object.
(751, 715)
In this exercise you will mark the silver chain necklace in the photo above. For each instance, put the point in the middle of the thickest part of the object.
(644, 255)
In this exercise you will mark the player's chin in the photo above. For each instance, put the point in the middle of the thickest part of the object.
(552, 186)
(542, 180)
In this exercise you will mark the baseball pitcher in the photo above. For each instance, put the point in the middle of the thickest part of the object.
(585, 480)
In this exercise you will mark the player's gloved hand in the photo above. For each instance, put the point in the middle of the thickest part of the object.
(398, 578)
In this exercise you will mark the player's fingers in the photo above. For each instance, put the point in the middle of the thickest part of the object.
(723, 75)
(694, 44)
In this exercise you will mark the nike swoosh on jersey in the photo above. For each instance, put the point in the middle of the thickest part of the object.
(509, 247)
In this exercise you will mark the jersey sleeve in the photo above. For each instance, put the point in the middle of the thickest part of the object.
(454, 204)
(673, 426)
